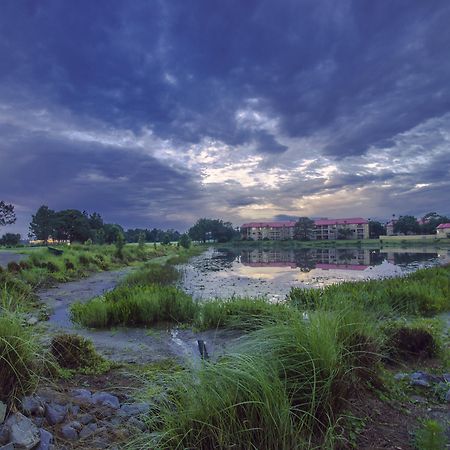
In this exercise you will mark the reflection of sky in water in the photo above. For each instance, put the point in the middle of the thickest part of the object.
(255, 272)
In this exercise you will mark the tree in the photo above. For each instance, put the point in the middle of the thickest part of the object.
(7, 214)
(72, 225)
(215, 229)
(407, 225)
(376, 229)
(141, 241)
(10, 239)
(303, 229)
(120, 244)
(344, 233)
(43, 223)
(112, 231)
(430, 221)
(185, 241)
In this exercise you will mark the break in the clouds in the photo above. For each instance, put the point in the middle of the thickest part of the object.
(156, 113)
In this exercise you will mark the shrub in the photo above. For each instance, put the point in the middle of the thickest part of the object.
(69, 265)
(13, 267)
(74, 352)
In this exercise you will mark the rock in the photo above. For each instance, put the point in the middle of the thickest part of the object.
(418, 399)
(23, 433)
(134, 409)
(106, 399)
(400, 376)
(9, 446)
(74, 409)
(2, 412)
(420, 383)
(69, 433)
(82, 394)
(75, 425)
(55, 413)
(429, 378)
(136, 423)
(4, 434)
(46, 440)
(88, 430)
(32, 320)
(32, 405)
(86, 418)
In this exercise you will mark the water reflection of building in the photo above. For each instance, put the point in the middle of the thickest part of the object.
(307, 259)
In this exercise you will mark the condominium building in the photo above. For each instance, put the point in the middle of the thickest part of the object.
(324, 229)
(352, 228)
(274, 231)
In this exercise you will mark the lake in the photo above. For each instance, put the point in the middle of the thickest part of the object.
(271, 272)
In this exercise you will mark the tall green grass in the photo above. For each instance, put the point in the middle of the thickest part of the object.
(425, 293)
(136, 306)
(18, 357)
(242, 313)
(284, 388)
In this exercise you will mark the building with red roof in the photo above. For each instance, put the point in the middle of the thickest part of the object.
(355, 228)
(443, 230)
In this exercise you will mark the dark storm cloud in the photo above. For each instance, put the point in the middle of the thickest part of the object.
(125, 186)
(350, 76)
(358, 71)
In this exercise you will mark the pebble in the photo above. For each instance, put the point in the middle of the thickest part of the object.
(23, 433)
(69, 433)
(86, 418)
(88, 430)
(32, 405)
(134, 409)
(2, 412)
(55, 413)
(82, 394)
(106, 399)
(46, 439)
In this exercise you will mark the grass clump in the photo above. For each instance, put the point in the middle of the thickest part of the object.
(412, 340)
(430, 436)
(423, 293)
(135, 306)
(242, 313)
(76, 353)
(18, 355)
(283, 388)
(239, 402)
(152, 274)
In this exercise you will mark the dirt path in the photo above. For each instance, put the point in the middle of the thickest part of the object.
(130, 345)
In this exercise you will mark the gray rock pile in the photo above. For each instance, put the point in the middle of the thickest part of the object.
(95, 419)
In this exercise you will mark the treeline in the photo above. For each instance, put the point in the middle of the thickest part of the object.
(72, 225)
(153, 235)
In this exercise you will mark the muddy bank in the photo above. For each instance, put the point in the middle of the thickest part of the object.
(129, 345)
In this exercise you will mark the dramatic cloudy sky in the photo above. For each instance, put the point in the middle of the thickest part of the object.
(155, 113)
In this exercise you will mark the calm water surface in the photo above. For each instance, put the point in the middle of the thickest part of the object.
(272, 272)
